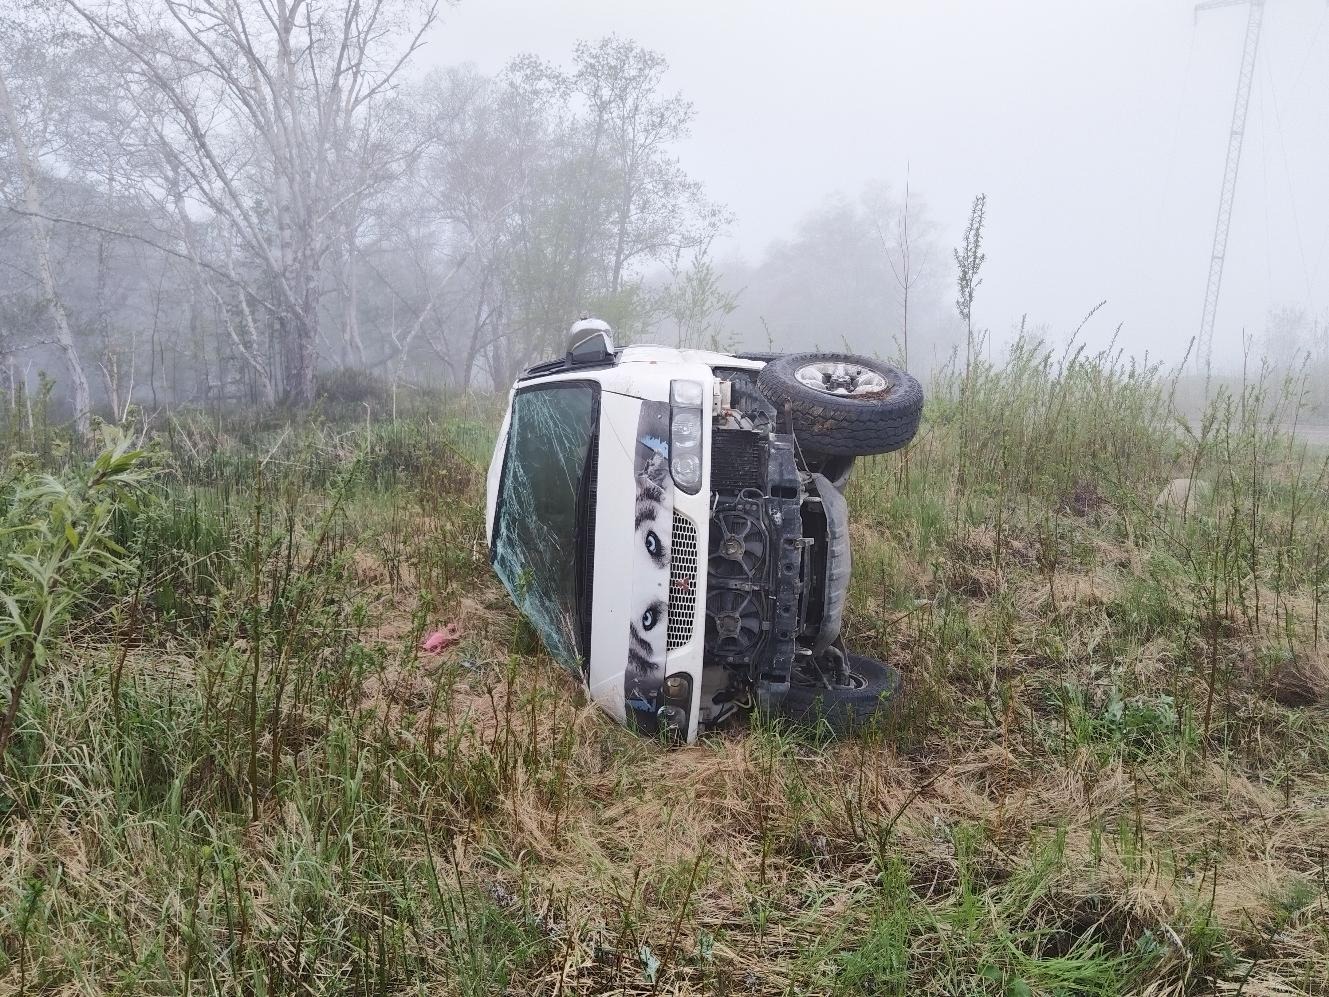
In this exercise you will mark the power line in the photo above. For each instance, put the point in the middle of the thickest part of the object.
(1264, 171)
(1176, 130)
(1310, 49)
(1292, 196)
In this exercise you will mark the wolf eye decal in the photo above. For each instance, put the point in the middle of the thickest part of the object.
(651, 617)
(648, 557)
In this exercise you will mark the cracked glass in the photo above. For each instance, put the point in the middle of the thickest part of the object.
(549, 439)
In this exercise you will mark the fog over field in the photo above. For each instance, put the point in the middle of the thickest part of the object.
(370, 625)
(1098, 132)
(771, 176)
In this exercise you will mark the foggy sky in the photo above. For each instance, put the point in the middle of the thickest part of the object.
(1098, 131)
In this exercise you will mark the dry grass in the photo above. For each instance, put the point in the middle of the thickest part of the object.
(1110, 774)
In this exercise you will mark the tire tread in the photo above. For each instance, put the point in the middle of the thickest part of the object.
(845, 711)
(844, 426)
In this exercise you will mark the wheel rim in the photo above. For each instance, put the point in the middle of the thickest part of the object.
(847, 380)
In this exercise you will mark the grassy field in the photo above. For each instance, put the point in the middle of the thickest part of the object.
(234, 772)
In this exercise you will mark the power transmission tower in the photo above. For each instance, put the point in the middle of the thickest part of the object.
(1254, 19)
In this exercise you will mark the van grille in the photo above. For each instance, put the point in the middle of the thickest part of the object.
(682, 582)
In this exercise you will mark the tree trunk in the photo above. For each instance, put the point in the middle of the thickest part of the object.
(64, 337)
(301, 331)
(905, 327)
(624, 214)
(109, 361)
(353, 343)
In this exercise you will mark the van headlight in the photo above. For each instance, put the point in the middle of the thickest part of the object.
(685, 431)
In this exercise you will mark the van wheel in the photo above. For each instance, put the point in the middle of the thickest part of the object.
(842, 404)
(871, 688)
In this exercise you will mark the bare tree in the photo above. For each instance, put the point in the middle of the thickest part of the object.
(906, 240)
(271, 109)
(38, 229)
(238, 192)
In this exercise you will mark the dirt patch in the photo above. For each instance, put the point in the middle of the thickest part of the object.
(1083, 499)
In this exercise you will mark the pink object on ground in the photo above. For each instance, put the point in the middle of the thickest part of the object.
(441, 640)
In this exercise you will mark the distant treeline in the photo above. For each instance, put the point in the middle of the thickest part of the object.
(221, 201)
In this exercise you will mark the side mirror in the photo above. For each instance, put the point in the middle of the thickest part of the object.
(589, 342)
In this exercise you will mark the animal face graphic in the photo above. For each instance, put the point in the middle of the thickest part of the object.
(651, 536)
(650, 577)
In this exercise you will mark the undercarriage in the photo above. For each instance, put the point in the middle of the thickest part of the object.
(774, 598)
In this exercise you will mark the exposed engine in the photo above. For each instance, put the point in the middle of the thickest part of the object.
(735, 606)
(755, 576)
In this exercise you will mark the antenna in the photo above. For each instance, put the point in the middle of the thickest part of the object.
(1245, 77)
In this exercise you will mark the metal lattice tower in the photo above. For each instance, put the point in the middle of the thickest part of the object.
(1245, 78)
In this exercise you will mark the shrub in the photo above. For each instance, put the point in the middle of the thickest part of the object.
(353, 386)
(55, 551)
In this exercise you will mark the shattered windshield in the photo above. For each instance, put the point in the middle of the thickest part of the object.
(536, 532)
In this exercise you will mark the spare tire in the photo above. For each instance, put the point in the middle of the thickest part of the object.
(843, 708)
(842, 404)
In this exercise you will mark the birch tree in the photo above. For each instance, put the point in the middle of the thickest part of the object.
(633, 126)
(271, 113)
(38, 228)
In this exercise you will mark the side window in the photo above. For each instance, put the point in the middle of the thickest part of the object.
(538, 523)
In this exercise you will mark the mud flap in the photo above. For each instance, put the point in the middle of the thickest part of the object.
(837, 562)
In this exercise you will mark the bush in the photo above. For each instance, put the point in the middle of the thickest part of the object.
(55, 550)
(353, 386)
